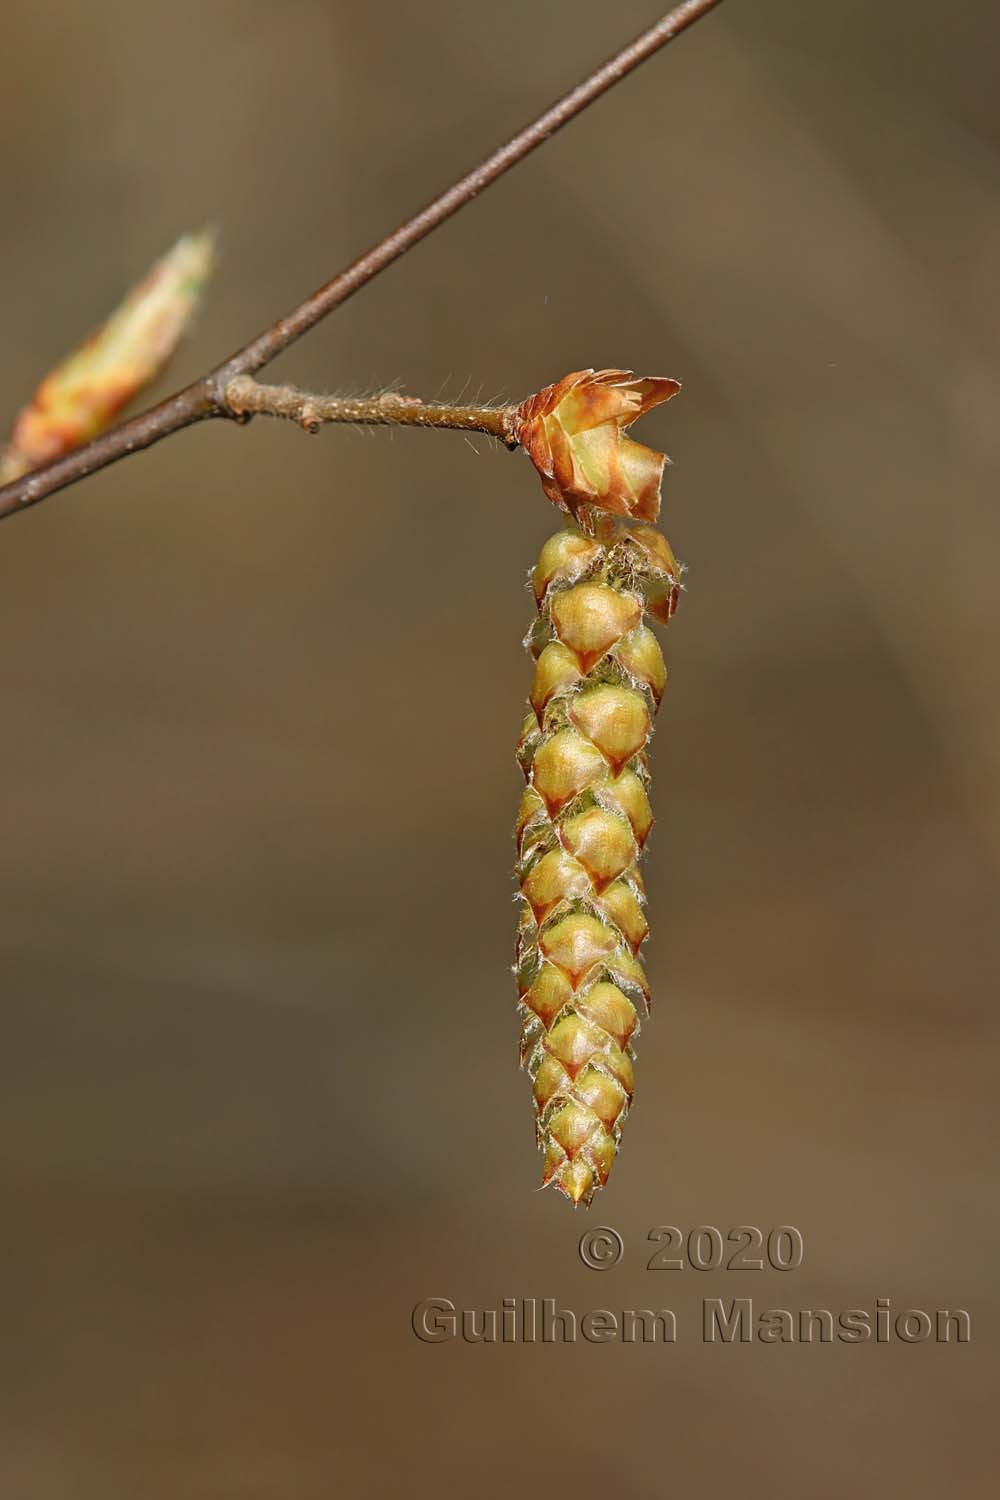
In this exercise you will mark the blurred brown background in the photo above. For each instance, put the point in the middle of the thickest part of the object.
(257, 1087)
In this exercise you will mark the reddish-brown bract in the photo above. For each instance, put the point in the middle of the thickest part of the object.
(573, 432)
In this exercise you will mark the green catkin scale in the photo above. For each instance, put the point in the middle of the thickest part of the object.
(584, 818)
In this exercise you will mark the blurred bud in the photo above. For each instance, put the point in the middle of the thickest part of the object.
(574, 434)
(86, 392)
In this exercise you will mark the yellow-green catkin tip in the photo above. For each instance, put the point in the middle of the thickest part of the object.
(87, 391)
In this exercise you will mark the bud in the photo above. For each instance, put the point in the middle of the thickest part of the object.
(84, 395)
(574, 434)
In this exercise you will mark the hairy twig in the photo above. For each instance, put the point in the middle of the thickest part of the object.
(207, 397)
(246, 397)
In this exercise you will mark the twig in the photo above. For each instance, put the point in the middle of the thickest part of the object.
(245, 398)
(206, 397)
(269, 344)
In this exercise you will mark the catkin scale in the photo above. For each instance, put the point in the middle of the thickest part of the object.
(583, 820)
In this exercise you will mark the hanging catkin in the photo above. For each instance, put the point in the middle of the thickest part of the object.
(585, 813)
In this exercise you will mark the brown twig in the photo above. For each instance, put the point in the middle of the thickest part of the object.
(246, 397)
(206, 397)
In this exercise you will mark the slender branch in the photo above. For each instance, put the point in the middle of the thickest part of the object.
(246, 398)
(273, 340)
(206, 397)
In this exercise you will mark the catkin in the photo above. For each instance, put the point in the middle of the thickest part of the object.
(583, 820)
